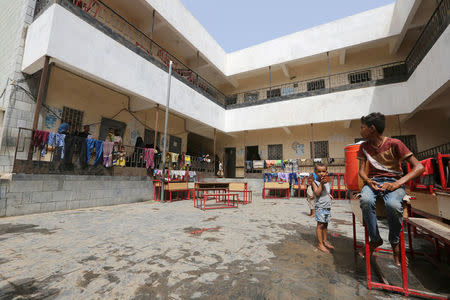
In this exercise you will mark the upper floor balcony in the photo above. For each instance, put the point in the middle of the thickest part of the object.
(109, 22)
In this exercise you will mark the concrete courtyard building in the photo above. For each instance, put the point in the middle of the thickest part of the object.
(300, 96)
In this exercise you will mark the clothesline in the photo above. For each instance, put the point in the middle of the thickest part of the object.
(64, 146)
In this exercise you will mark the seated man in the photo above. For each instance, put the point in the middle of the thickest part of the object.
(385, 179)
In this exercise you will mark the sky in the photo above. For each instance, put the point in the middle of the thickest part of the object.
(238, 24)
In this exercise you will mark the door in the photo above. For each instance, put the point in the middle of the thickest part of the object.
(106, 124)
(230, 162)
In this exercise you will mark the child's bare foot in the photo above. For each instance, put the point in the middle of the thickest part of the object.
(323, 248)
(372, 247)
(328, 245)
(397, 255)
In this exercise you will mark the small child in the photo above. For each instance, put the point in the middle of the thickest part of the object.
(110, 136)
(120, 161)
(322, 203)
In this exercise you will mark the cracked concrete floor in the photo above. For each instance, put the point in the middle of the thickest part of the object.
(264, 250)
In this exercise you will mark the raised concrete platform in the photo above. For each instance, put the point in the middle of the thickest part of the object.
(23, 194)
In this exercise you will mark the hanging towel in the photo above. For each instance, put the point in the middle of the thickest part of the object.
(149, 155)
(174, 157)
(270, 163)
(258, 164)
(40, 138)
(283, 177)
(107, 154)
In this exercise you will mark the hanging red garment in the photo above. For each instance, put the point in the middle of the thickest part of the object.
(428, 167)
(40, 137)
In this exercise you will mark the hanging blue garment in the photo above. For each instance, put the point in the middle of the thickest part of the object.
(98, 146)
(293, 177)
(57, 141)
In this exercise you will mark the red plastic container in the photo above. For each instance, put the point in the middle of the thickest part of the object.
(351, 167)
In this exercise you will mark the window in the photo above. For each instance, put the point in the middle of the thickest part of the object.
(394, 71)
(174, 141)
(273, 93)
(275, 152)
(149, 137)
(315, 85)
(359, 77)
(251, 96)
(410, 141)
(72, 117)
(174, 144)
(320, 149)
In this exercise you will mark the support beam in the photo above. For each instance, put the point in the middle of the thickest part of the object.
(395, 43)
(42, 84)
(285, 71)
(214, 154)
(137, 104)
(232, 81)
(41, 92)
(342, 55)
(156, 127)
(287, 130)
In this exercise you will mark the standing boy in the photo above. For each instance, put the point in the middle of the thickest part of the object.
(385, 179)
(322, 205)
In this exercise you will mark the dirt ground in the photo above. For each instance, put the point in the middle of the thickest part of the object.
(264, 250)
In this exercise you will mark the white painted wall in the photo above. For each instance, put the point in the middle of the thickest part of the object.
(402, 98)
(354, 30)
(345, 105)
(431, 74)
(38, 37)
(79, 46)
(190, 28)
(361, 28)
(97, 56)
(403, 10)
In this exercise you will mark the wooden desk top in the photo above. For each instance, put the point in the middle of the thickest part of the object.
(437, 229)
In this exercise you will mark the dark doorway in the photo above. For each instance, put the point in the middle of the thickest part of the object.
(230, 162)
(199, 145)
(252, 153)
(106, 124)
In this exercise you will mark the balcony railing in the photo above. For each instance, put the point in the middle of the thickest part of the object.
(126, 160)
(111, 23)
(433, 152)
(429, 35)
(388, 73)
(95, 11)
